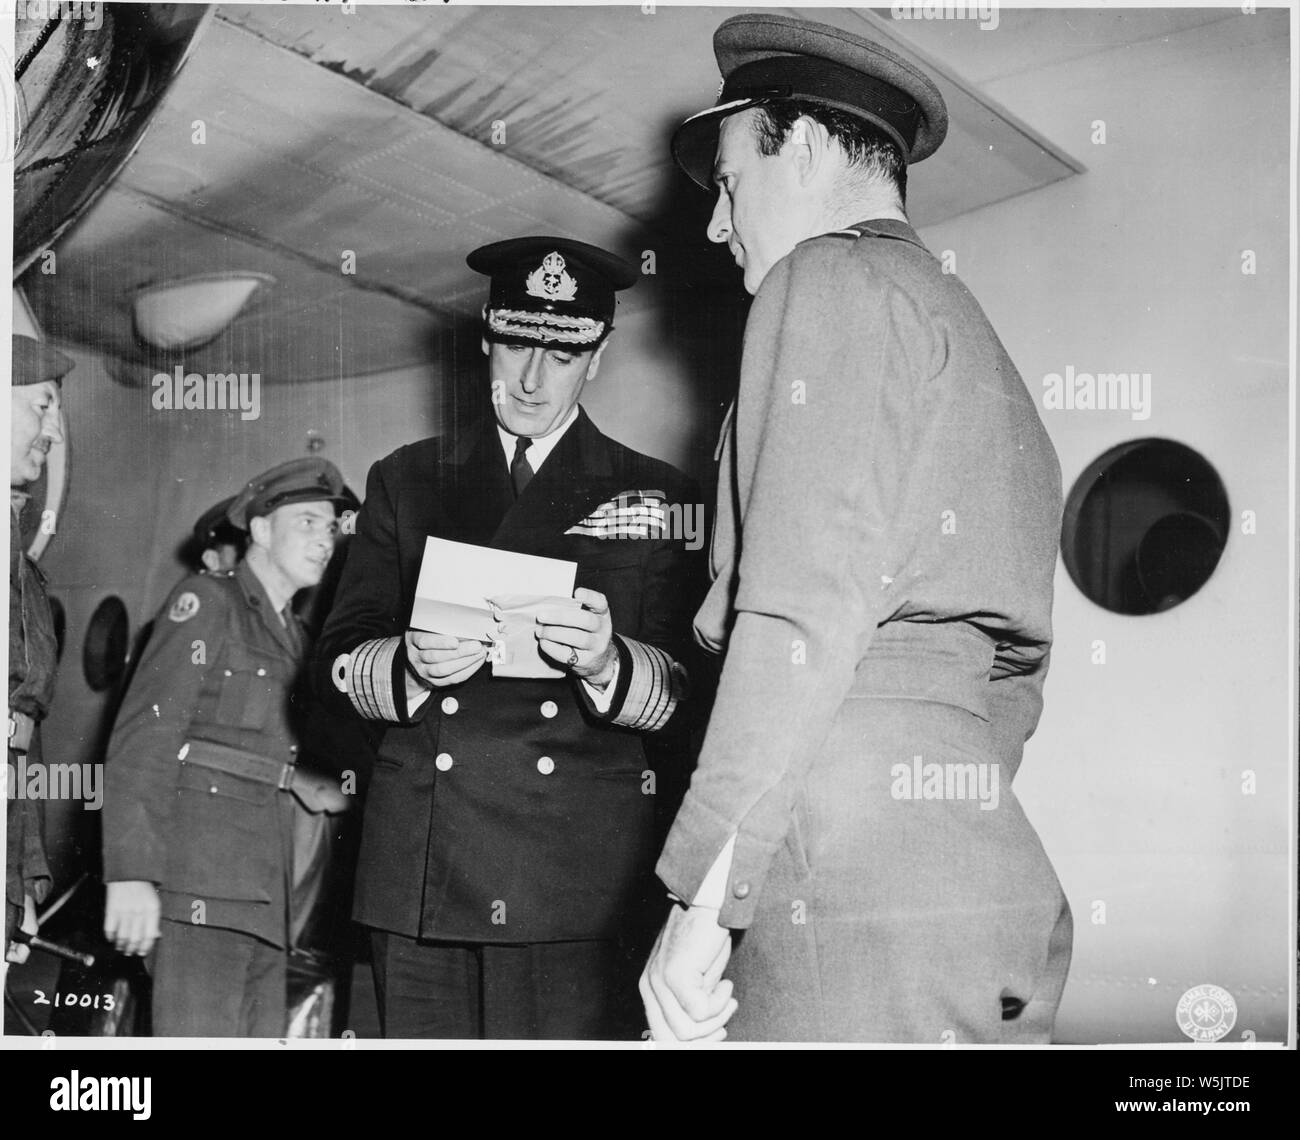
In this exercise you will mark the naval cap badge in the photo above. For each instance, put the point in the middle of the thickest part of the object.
(551, 281)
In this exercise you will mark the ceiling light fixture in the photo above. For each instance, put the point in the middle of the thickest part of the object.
(190, 311)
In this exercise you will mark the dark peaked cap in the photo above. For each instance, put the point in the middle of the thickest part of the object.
(550, 291)
(210, 524)
(34, 362)
(765, 58)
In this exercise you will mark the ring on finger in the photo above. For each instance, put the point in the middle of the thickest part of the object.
(573, 658)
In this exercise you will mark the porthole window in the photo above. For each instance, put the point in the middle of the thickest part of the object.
(1145, 526)
(103, 657)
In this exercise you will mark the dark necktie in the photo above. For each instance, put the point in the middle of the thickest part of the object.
(520, 471)
(295, 632)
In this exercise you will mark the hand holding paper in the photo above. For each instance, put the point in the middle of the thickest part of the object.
(458, 620)
(439, 659)
(514, 653)
(578, 633)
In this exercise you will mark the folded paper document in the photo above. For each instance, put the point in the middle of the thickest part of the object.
(492, 596)
(514, 653)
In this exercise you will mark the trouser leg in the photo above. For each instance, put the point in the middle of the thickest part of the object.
(425, 989)
(580, 990)
(814, 967)
(561, 991)
(264, 1011)
(209, 982)
(1034, 1022)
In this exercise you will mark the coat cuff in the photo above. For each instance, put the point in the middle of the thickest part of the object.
(128, 873)
(650, 686)
(697, 838)
(373, 677)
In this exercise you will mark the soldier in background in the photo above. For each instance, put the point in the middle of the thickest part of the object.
(34, 428)
(217, 543)
(197, 828)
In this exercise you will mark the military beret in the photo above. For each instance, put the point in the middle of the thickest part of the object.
(212, 522)
(764, 58)
(35, 362)
(550, 291)
(298, 481)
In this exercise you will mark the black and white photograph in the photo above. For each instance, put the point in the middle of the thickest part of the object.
(651, 525)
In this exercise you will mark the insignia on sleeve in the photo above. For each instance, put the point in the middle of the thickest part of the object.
(184, 607)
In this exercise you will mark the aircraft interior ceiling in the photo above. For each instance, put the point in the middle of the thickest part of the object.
(462, 127)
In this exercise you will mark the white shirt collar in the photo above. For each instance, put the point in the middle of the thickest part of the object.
(540, 447)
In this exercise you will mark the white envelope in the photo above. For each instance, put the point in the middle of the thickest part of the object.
(457, 579)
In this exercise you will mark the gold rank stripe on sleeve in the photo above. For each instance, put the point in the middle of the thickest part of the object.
(367, 678)
(654, 688)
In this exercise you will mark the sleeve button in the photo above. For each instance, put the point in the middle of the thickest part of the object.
(741, 890)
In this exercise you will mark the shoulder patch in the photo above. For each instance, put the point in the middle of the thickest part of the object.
(184, 607)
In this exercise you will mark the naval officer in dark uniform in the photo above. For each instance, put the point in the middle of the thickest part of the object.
(509, 827)
(34, 425)
(201, 765)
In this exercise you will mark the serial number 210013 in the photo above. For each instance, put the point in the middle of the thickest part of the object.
(85, 1001)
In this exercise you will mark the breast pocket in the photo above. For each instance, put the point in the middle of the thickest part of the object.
(249, 682)
(616, 573)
